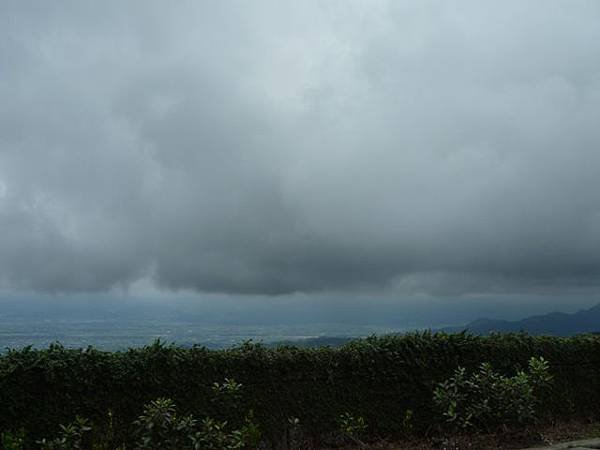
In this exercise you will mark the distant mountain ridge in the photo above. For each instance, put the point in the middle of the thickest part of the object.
(554, 323)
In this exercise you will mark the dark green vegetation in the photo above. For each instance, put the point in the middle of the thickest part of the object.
(383, 387)
(160, 427)
(486, 400)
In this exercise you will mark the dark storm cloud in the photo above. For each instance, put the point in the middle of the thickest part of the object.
(275, 147)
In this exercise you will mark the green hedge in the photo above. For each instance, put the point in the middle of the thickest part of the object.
(378, 378)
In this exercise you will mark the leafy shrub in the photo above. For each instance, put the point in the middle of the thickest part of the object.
(382, 377)
(407, 421)
(12, 441)
(71, 436)
(486, 399)
(352, 427)
(160, 428)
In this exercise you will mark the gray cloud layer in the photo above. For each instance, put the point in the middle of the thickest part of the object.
(272, 147)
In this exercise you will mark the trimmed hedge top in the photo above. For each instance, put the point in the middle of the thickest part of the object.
(378, 378)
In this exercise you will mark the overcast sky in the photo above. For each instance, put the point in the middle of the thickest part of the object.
(273, 148)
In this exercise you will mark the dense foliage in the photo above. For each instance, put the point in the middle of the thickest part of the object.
(158, 428)
(487, 400)
(388, 382)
